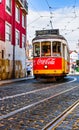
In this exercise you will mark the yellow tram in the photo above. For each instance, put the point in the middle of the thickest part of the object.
(50, 54)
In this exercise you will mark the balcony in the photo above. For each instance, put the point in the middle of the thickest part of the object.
(23, 4)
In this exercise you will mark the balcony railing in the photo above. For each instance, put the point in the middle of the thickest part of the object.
(23, 4)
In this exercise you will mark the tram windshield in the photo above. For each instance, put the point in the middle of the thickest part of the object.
(56, 48)
(46, 48)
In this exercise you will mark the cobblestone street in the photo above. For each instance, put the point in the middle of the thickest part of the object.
(39, 65)
(71, 122)
(31, 104)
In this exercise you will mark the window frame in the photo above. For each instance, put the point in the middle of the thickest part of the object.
(17, 13)
(36, 49)
(23, 20)
(8, 34)
(46, 48)
(23, 40)
(8, 6)
(56, 48)
(17, 39)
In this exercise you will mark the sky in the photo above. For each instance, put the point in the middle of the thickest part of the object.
(54, 14)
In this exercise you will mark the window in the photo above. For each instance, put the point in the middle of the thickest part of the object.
(17, 37)
(37, 49)
(56, 49)
(0, 1)
(23, 20)
(46, 49)
(23, 40)
(63, 50)
(17, 14)
(8, 32)
(8, 5)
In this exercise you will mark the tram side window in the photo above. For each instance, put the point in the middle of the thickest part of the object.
(63, 50)
(37, 50)
(68, 57)
(56, 49)
(46, 49)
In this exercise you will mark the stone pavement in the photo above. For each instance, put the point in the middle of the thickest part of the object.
(25, 78)
(71, 122)
(34, 119)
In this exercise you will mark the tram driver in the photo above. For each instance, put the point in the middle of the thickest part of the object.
(46, 51)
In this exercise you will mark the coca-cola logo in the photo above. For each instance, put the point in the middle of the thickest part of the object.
(47, 61)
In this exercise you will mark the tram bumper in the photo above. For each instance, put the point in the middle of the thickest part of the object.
(50, 75)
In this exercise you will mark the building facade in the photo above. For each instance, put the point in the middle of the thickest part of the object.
(29, 50)
(13, 17)
(73, 59)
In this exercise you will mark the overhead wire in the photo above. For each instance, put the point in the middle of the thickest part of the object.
(34, 20)
(50, 13)
(74, 8)
(73, 19)
(51, 16)
(35, 9)
(39, 16)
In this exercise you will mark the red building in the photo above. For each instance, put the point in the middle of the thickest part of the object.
(13, 19)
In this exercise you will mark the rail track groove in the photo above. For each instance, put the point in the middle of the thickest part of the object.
(54, 123)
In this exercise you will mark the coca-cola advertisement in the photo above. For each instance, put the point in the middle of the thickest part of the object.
(52, 63)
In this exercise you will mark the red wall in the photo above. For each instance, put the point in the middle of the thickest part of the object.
(2, 21)
(4, 16)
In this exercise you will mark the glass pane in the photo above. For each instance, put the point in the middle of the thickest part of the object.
(8, 5)
(45, 49)
(17, 14)
(17, 38)
(8, 32)
(56, 49)
(23, 40)
(36, 49)
(23, 20)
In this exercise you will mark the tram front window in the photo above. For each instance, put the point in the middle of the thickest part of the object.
(56, 49)
(45, 49)
(36, 49)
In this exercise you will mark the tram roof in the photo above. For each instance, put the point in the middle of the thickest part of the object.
(49, 37)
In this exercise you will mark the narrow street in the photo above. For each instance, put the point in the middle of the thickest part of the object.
(39, 65)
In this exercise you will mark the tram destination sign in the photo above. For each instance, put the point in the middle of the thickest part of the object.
(46, 32)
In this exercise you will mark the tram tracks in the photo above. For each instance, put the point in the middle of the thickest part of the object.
(36, 108)
(32, 104)
(58, 120)
(34, 91)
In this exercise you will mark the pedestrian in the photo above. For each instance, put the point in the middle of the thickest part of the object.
(28, 70)
(73, 68)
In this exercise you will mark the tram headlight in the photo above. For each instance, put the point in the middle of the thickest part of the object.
(45, 66)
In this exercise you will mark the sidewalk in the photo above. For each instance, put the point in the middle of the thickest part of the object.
(14, 80)
(74, 73)
(26, 78)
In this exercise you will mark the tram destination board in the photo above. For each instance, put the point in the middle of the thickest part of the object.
(46, 32)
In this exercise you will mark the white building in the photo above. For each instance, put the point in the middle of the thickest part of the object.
(73, 58)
